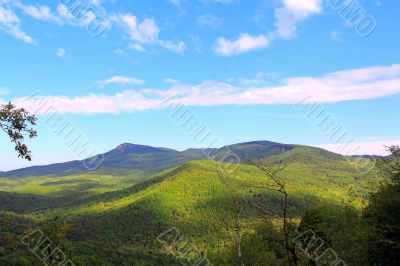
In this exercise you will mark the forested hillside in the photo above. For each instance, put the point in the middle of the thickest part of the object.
(104, 219)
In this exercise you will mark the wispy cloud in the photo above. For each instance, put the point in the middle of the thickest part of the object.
(120, 80)
(39, 12)
(176, 2)
(209, 21)
(178, 48)
(120, 52)
(61, 52)
(243, 44)
(4, 90)
(171, 81)
(10, 23)
(144, 32)
(372, 147)
(139, 32)
(356, 84)
(220, 1)
(336, 36)
(261, 78)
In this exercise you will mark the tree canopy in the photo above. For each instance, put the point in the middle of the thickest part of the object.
(17, 124)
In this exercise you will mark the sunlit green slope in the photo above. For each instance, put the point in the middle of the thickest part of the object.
(194, 199)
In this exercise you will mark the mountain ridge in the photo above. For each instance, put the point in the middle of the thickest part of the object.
(127, 158)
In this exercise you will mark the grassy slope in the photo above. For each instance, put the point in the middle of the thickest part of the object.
(27, 194)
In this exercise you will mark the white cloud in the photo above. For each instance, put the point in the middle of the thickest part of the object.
(10, 22)
(121, 80)
(220, 1)
(287, 18)
(303, 6)
(292, 13)
(120, 52)
(145, 31)
(65, 14)
(176, 2)
(348, 85)
(61, 52)
(197, 44)
(209, 21)
(38, 12)
(178, 48)
(137, 47)
(21, 35)
(171, 81)
(244, 43)
(139, 33)
(373, 147)
(261, 78)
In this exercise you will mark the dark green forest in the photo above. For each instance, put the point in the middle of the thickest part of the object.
(294, 205)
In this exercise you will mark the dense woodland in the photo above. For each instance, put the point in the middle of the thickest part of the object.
(255, 215)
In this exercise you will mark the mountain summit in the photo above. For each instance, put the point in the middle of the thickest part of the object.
(129, 158)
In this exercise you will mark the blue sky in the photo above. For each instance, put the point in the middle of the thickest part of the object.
(105, 66)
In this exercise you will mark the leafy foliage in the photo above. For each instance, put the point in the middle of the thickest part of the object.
(15, 122)
(382, 216)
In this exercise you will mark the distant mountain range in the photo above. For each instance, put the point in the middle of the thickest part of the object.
(140, 191)
(146, 160)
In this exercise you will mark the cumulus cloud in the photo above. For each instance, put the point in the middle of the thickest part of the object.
(243, 44)
(292, 13)
(144, 32)
(287, 18)
(356, 84)
(120, 80)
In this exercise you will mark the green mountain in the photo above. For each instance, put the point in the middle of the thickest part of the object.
(115, 215)
(146, 160)
(124, 159)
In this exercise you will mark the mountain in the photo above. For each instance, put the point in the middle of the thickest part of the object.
(195, 199)
(115, 220)
(123, 160)
(365, 156)
(133, 159)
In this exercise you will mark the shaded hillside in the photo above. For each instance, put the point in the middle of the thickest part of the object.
(193, 198)
(146, 160)
(124, 159)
